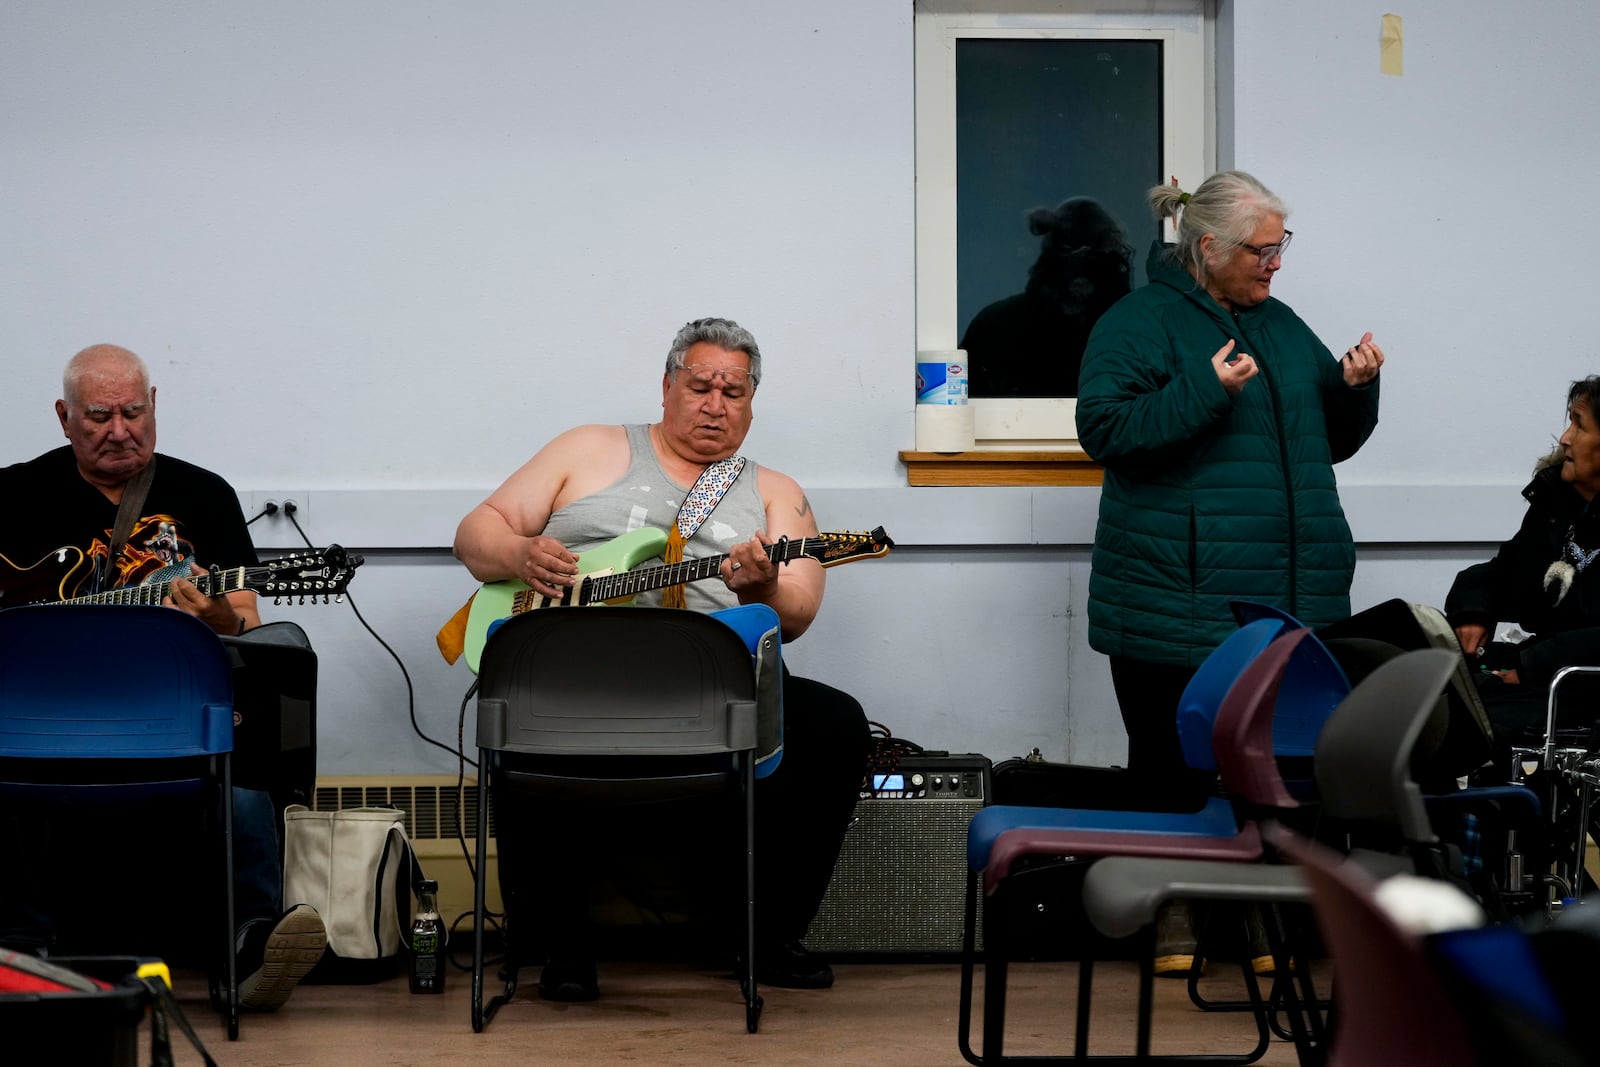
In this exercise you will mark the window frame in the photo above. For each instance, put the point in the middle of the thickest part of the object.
(1185, 28)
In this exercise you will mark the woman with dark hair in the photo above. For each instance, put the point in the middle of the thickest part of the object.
(1540, 580)
(1031, 343)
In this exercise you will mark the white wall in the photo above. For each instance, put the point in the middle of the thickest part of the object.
(377, 253)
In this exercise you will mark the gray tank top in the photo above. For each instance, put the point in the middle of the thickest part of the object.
(646, 496)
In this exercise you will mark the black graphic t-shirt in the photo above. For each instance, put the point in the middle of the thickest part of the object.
(54, 527)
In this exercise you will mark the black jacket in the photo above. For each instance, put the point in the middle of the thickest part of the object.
(1559, 527)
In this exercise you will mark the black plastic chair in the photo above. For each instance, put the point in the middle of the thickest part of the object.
(618, 702)
(102, 705)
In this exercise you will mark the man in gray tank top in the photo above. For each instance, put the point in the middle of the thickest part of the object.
(593, 483)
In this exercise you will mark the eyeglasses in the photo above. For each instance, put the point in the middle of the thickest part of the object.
(735, 381)
(1267, 253)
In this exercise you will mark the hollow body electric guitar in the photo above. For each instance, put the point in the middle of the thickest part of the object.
(325, 574)
(606, 575)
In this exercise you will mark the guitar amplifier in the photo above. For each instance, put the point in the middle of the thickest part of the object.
(900, 883)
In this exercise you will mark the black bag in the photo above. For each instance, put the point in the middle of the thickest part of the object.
(1042, 901)
(275, 713)
(1033, 781)
(1458, 738)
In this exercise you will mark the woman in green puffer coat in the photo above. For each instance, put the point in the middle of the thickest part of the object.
(1218, 416)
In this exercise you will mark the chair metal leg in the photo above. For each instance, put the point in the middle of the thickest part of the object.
(969, 955)
(478, 889)
(995, 966)
(752, 996)
(230, 963)
(1085, 998)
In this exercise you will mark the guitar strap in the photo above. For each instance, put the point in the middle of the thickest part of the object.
(702, 499)
(133, 495)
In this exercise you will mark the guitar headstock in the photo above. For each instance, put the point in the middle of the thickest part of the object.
(831, 549)
(325, 573)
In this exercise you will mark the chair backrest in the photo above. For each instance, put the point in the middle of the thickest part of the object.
(1242, 739)
(1312, 687)
(112, 681)
(616, 681)
(1462, 737)
(762, 631)
(1392, 1005)
(1203, 696)
(275, 712)
(1363, 759)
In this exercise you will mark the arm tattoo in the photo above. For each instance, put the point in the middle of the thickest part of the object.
(805, 506)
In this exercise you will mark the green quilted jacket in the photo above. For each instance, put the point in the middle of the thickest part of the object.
(1210, 498)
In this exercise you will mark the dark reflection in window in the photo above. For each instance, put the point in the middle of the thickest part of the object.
(1036, 121)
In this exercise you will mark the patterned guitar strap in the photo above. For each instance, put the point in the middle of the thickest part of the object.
(708, 491)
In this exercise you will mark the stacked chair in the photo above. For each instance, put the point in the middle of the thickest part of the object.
(1375, 810)
(1249, 668)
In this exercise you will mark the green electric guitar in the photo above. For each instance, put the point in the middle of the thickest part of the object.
(606, 575)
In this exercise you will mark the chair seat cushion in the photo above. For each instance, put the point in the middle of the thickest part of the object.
(1216, 819)
(1242, 846)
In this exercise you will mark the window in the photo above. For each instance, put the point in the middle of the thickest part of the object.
(1023, 111)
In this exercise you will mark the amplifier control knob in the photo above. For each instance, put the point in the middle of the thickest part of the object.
(938, 783)
(917, 780)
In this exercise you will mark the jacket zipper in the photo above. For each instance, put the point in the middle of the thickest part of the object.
(1283, 466)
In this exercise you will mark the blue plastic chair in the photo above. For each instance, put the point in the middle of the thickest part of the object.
(1314, 686)
(100, 704)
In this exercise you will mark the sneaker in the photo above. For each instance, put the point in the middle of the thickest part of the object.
(1175, 946)
(570, 981)
(274, 956)
(790, 966)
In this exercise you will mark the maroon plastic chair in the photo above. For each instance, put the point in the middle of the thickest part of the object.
(1392, 1006)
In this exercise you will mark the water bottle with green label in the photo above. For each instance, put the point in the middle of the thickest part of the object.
(427, 942)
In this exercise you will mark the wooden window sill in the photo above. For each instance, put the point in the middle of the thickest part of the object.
(981, 467)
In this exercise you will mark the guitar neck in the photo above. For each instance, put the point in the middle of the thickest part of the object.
(153, 593)
(605, 587)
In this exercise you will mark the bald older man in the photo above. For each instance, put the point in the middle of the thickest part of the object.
(63, 510)
(71, 495)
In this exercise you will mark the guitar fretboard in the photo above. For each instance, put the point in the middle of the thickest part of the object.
(611, 586)
(154, 590)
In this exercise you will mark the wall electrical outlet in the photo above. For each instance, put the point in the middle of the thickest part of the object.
(276, 529)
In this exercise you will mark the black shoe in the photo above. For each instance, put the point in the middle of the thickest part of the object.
(790, 966)
(569, 981)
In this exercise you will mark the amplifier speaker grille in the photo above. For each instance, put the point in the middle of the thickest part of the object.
(900, 883)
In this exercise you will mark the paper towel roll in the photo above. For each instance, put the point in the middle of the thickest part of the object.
(944, 427)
